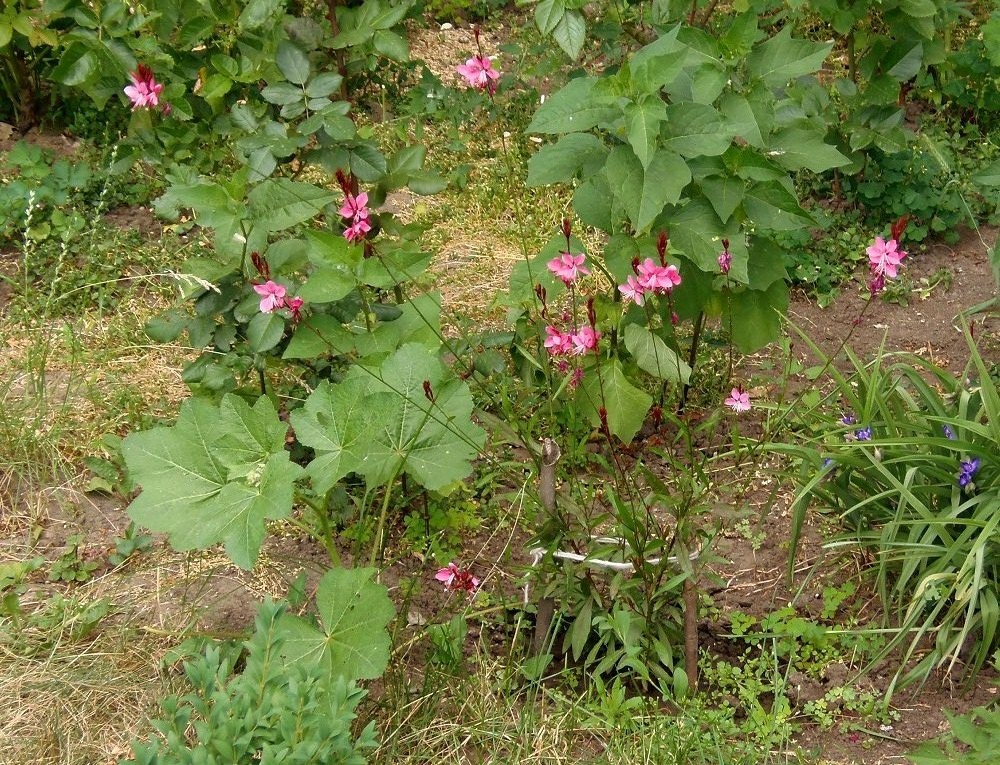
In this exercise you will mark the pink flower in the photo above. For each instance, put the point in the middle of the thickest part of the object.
(144, 90)
(478, 71)
(885, 257)
(656, 278)
(569, 267)
(585, 340)
(725, 261)
(454, 578)
(356, 211)
(295, 306)
(272, 296)
(739, 400)
(632, 290)
(354, 207)
(357, 230)
(558, 343)
(576, 379)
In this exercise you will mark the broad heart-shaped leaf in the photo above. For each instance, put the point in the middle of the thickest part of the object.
(215, 476)
(755, 316)
(696, 130)
(337, 421)
(751, 124)
(642, 121)
(570, 33)
(562, 161)
(317, 336)
(658, 63)
(352, 641)
(696, 231)
(432, 441)
(280, 203)
(594, 202)
(724, 192)
(797, 148)
(573, 109)
(780, 59)
(655, 356)
(772, 206)
(265, 331)
(625, 404)
(644, 193)
(326, 285)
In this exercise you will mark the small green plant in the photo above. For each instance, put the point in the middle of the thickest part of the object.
(13, 583)
(73, 565)
(974, 740)
(269, 711)
(129, 544)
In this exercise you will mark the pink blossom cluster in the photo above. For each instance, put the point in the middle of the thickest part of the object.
(273, 297)
(457, 579)
(650, 278)
(885, 256)
(355, 211)
(478, 71)
(571, 343)
(144, 91)
(569, 267)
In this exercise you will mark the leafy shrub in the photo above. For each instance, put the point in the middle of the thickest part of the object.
(974, 740)
(913, 467)
(270, 711)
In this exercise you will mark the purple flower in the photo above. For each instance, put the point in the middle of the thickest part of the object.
(966, 471)
(948, 432)
(864, 434)
(848, 419)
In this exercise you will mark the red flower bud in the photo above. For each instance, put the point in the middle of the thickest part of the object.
(899, 227)
(566, 227)
(661, 247)
(427, 391)
(591, 313)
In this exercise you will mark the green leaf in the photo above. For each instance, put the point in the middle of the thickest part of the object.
(337, 421)
(318, 336)
(326, 285)
(367, 162)
(696, 231)
(323, 84)
(293, 62)
(724, 193)
(696, 130)
(548, 13)
(798, 148)
(280, 203)
(351, 641)
(755, 316)
(259, 12)
(918, 8)
(657, 64)
(573, 109)
(215, 476)
(750, 124)
(75, 66)
(265, 331)
(593, 202)
(644, 193)
(432, 441)
(570, 32)
(642, 123)
(781, 59)
(655, 356)
(560, 162)
(625, 404)
(166, 327)
(391, 45)
(988, 177)
(772, 206)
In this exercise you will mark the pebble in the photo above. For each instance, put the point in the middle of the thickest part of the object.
(446, 26)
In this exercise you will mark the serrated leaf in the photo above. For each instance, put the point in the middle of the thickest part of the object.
(654, 356)
(642, 123)
(265, 331)
(644, 193)
(336, 422)
(562, 161)
(432, 441)
(772, 206)
(391, 45)
(724, 193)
(548, 13)
(798, 148)
(323, 84)
(197, 483)
(280, 203)
(256, 13)
(351, 641)
(570, 33)
(780, 59)
(695, 130)
(293, 62)
(366, 162)
(572, 109)
(626, 405)
(918, 9)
